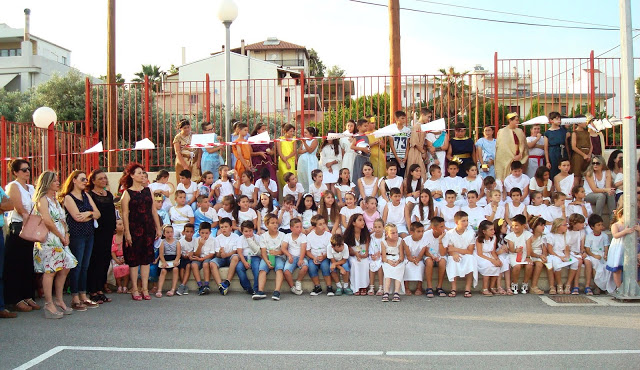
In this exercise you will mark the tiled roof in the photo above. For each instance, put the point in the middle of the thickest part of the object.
(280, 46)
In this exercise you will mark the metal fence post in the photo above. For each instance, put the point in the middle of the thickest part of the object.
(301, 104)
(495, 91)
(3, 148)
(146, 119)
(90, 158)
(592, 87)
(207, 99)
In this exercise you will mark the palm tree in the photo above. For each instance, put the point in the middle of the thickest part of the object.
(451, 89)
(154, 73)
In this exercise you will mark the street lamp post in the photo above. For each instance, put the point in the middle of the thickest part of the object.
(227, 13)
(44, 117)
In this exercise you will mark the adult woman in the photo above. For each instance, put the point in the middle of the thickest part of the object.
(185, 156)
(462, 147)
(262, 153)
(378, 146)
(102, 235)
(542, 183)
(598, 186)
(286, 153)
(5, 205)
(614, 162)
(18, 263)
(486, 152)
(511, 145)
(210, 159)
(53, 257)
(242, 151)
(357, 238)
(81, 212)
(348, 154)
(307, 157)
(141, 227)
(581, 151)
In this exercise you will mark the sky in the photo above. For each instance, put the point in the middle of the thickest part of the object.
(351, 35)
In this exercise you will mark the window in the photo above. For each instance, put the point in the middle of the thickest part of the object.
(418, 95)
(64, 60)
(563, 110)
(193, 99)
(10, 52)
(404, 94)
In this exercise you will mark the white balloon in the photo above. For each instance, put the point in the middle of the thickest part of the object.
(44, 116)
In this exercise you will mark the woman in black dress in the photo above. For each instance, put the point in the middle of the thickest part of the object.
(141, 227)
(103, 234)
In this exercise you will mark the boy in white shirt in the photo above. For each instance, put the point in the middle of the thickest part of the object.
(317, 243)
(490, 184)
(223, 186)
(287, 213)
(455, 183)
(519, 242)
(476, 214)
(189, 187)
(266, 185)
(338, 254)
(294, 247)
(434, 184)
(201, 257)
(226, 255)
(414, 248)
(187, 245)
(433, 256)
(596, 246)
(203, 213)
(272, 258)
(249, 257)
(459, 245)
(517, 180)
(181, 213)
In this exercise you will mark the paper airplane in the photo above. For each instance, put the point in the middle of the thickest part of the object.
(390, 130)
(263, 137)
(144, 144)
(202, 140)
(95, 149)
(540, 120)
(336, 135)
(437, 125)
(573, 121)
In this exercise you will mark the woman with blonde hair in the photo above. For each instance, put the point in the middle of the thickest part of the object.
(598, 186)
(52, 258)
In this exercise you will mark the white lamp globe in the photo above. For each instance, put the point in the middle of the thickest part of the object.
(44, 116)
(228, 11)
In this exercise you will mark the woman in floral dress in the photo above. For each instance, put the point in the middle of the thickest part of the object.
(52, 258)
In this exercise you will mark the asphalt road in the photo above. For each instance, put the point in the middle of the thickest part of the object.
(431, 330)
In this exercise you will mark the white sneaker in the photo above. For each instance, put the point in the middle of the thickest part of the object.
(525, 288)
(514, 288)
(298, 288)
(293, 290)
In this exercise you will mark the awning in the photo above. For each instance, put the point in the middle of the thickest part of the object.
(5, 79)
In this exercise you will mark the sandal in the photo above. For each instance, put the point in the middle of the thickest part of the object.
(485, 292)
(158, 294)
(119, 290)
(567, 289)
(96, 298)
(105, 298)
(125, 290)
(22, 306)
(418, 292)
(32, 304)
(536, 290)
(588, 291)
(396, 297)
(363, 291)
(509, 292)
(371, 290)
(494, 291)
(467, 294)
(575, 291)
(380, 292)
(385, 297)
(136, 296)
(501, 291)
(408, 293)
(552, 291)
(560, 290)
(357, 292)
(170, 293)
(452, 293)
(429, 293)
(147, 297)
(441, 292)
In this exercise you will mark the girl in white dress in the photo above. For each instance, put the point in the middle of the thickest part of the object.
(357, 238)
(348, 154)
(307, 158)
(392, 180)
(538, 254)
(317, 187)
(474, 182)
(516, 206)
(375, 257)
(502, 250)
(560, 254)
(424, 211)
(265, 206)
(519, 241)
(459, 243)
(393, 263)
(330, 162)
(414, 250)
(575, 239)
(349, 209)
(596, 246)
(394, 212)
(368, 184)
(246, 187)
(485, 252)
(615, 256)
(344, 185)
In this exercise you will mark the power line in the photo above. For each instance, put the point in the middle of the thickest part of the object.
(516, 14)
(490, 20)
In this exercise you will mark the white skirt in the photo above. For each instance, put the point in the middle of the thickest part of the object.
(374, 266)
(396, 273)
(359, 273)
(512, 259)
(548, 264)
(604, 278)
(330, 177)
(504, 258)
(615, 258)
(485, 267)
(413, 272)
(466, 265)
(559, 264)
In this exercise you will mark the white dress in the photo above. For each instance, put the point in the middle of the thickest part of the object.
(395, 182)
(359, 269)
(374, 247)
(348, 154)
(467, 263)
(328, 154)
(615, 257)
(307, 162)
(485, 267)
(413, 272)
(519, 241)
(537, 245)
(603, 277)
(393, 254)
(395, 215)
(559, 243)
(504, 257)
(368, 188)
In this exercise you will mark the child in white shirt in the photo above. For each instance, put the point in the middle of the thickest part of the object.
(414, 249)
(287, 213)
(294, 247)
(201, 257)
(249, 257)
(317, 242)
(181, 213)
(189, 187)
(317, 187)
(223, 186)
(394, 212)
(459, 245)
(517, 180)
(455, 183)
(226, 255)
(338, 254)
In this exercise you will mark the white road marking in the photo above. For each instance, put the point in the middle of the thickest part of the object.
(56, 350)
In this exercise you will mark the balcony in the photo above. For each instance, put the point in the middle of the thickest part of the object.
(287, 62)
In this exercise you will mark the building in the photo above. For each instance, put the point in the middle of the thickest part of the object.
(416, 90)
(26, 60)
(279, 52)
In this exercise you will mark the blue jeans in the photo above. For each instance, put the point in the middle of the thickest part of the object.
(278, 266)
(323, 266)
(241, 271)
(1, 272)
(81, 246)
(294, 265)
(222, 262)
(344, 265)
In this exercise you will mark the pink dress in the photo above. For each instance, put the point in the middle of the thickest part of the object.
(368, 220)
(119, 271)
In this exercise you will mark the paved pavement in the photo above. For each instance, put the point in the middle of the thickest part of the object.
(190, 331)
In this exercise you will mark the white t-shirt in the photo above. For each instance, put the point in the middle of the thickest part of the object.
(247, 190)
(617, 178)
(448, 215)
(318, 244)
(573, 239)
(187, 247)
(286, 219)
(431, 242)
(415, 246)
(246, 248)
(434, 185)
(263, 213)
(395, 182)
(317, 192)
(454, 183)
(272, 187)
(191, 191)
(228, 243)
(295, 246)
(521, 182)
(475, 184)
(415, 215)
(156, 186)
(338, 256)
(541, 211)
(452, 238)
(347, 213)
(519, 241)
(210, 246)
(222, 214)
(211, 214)
(225, 189)
(272, 243)
(596, 243)
(286, 190)
(345, 188)
(180, 216)
(488, 210)
(249, 215)
(395, 214)
(476, 215)
(533, 185)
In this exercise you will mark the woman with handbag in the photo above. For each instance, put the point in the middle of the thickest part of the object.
(81, 212)
(18, 263)
(52, 256)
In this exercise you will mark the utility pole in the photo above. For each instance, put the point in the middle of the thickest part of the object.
(629, 289)
(394, 59)
(112, 98)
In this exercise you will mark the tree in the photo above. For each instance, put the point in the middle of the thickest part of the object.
(172, 70)
(119, 78)
(450, 90)
(316, 67)
(336, 71)
(154, 73)
(64, 94)
(10, 103)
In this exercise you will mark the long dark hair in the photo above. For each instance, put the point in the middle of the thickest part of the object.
(301, 207)
(409, 179)
(611, 163)
(256, 128)
(92, 177)
(484, 226)
(335, 210)
(126, 181)
(336, 147)
(260, 206)
(429, 205)
(350, 232)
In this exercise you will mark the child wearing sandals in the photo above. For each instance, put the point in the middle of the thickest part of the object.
(414, 248)
(560, 255)
(434, 249)
(519, 242)
(538, 254)
(575, 239)
(392, 262)
(120, 268)
(502, 250)
(459, 245)
(596, 246)
(338, 254)
(317, 242)
(375, 257)
(615, 255)
(169, 260)
(488, 262)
